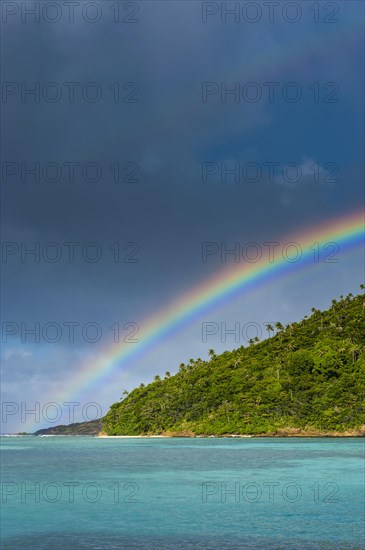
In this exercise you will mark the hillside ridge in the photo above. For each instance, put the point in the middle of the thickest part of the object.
(306, 379)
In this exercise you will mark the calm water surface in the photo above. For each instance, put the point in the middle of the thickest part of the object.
(84, 492)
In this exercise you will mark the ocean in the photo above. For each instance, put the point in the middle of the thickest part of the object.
(257, 493)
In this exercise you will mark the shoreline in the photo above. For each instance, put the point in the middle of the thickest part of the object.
(225, 436)
(353, 434)
(307, 432)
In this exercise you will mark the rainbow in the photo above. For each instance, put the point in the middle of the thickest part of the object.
(347, 232)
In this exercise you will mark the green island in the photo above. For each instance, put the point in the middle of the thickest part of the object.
(307, 378)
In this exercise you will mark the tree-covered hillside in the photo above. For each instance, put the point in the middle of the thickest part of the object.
(309, 375)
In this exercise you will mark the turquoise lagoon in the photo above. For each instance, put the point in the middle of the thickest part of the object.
(257, 493)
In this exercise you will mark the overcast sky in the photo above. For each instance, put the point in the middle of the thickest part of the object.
(135, 120)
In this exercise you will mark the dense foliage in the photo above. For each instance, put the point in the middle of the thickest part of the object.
(309, 373)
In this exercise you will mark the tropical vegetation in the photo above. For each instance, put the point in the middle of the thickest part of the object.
(306, 375)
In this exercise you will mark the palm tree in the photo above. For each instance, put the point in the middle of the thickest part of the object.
(355, 352)
(125, 393)
(278, 367)
(279, 327)
(167, 374)
(157, 378)
(182, 368)
(269, 329)
(290, 346)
